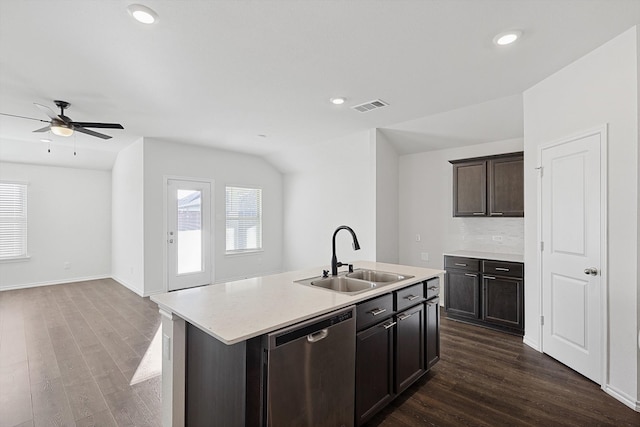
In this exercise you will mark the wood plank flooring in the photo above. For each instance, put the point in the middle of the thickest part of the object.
(487, 378)
(68, 354)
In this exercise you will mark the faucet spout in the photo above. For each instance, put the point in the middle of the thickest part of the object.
(334, 259)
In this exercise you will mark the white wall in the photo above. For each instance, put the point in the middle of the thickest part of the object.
(426, 206)
(69, 221)
(127, 251)
(386, 212)
(334, 185)
(600, 88)
(162, 159)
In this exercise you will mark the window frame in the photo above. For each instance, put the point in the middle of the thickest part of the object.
(23, 220)
(260, 248)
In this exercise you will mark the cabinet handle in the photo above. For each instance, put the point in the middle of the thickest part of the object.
(501, 269)
(377, 311)
(432, 288)
(412, 297)
(388, 325)
(478, 213)
(430, 303)
(470, 274)
(459, 264)
(496, 213)
(490, 277)
(404, 316)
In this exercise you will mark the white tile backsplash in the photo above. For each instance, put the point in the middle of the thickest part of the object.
(500, 235)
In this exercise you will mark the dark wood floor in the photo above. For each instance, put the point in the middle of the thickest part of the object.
(487, 378)
(68, 354)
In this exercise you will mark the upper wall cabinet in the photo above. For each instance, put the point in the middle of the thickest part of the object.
(489, 186)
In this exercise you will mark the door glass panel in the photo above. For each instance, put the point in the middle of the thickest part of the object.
(189, 231)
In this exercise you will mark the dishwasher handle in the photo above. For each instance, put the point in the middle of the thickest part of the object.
(318, 336)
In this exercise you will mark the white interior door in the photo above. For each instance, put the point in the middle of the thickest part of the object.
(572, 236)
(188, 234)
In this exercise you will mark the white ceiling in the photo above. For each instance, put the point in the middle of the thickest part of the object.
(220, 73)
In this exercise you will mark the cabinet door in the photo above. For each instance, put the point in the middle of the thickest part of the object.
(432, 332)
(470, 188)
(374, 369)
(506, 186)
(462, 294)
(503, 301)
(410, 332)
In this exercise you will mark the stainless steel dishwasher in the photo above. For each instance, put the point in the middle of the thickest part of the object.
(310, 372)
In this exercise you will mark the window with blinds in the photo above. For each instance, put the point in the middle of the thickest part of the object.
(244, 219)
(13, 220)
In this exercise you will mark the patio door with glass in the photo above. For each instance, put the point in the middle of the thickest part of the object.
(188, 234)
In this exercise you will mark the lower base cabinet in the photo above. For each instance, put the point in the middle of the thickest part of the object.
(395, 352)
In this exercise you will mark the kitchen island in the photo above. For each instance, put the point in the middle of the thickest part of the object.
(233, 317)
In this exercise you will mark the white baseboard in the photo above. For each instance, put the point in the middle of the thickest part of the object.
(532, 344)
(52, 282)
(128, 286)
(621, 396)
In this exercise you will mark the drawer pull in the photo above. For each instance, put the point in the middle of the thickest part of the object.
(433, 288)
(377, 311)
(388, 325)
(412, 297)
(490, 277)
(470, 274)
(497, 213)
(404, 316)
(459, 264)
(501, 269)
(478, 213)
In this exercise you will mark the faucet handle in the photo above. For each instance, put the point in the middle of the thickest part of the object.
(325, 273)
(350, 268)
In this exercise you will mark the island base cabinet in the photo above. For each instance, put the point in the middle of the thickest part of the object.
(410, 333)
(432, 329)
(374, 370)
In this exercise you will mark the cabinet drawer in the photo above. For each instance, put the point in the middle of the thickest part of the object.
(503, 268)
(372, 311)
(460, 263)
(432, 288)
(409, 296)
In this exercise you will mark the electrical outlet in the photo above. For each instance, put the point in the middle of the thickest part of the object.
(417, 237)
(497, 238)
(424, 256)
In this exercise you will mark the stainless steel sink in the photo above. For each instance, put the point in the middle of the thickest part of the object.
(377, 276)
(356, 282)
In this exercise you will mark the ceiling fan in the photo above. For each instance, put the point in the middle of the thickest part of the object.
(62, 125)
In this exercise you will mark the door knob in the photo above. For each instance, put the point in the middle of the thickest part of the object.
(592, 271)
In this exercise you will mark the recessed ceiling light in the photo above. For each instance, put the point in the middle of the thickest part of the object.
(262, 135)
(142, 13)
(337, 101)
(506, 38)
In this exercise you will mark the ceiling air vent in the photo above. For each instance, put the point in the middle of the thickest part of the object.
(371, 105)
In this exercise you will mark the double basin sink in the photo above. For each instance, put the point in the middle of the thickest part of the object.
(360, 280)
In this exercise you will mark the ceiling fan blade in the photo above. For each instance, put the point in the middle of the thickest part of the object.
(24, 117)
(48, 111)
(44, 129)
(92, 133)
(98, 125)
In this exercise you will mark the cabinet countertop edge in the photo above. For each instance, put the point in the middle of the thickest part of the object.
(493, 256)
(237, 311)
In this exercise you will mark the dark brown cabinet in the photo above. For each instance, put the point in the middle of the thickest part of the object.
(410, 334)
(398, 340)
(489, 186)
(486, 292)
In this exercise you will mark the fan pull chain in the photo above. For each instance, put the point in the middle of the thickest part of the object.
(74, 144)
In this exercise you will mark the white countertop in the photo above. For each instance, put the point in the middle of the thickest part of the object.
(494, 256)
(236, 311)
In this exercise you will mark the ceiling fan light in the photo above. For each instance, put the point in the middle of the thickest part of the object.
(61, 130)
(142, 13)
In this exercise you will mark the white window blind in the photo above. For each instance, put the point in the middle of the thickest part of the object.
(244, 219)
(13, 220)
